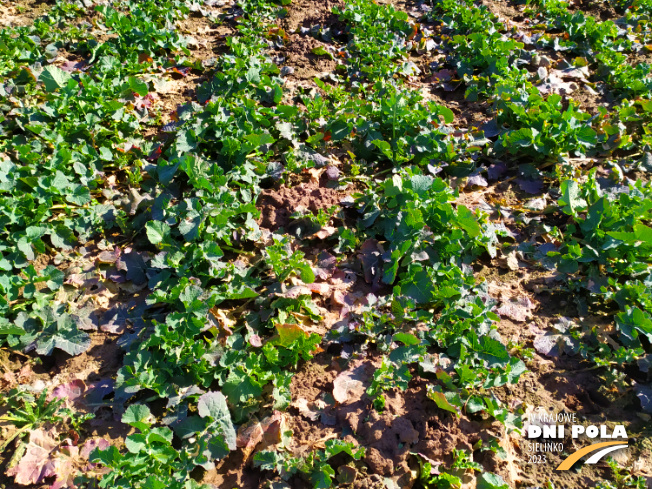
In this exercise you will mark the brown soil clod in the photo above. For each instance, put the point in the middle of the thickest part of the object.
(300, 63)
(304, 63)
(21, 13)
(306, 13)
(277, 205)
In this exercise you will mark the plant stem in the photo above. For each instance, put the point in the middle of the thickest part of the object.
(13, 437)
(236, 250)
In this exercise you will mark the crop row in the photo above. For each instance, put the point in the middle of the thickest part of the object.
(231, 311)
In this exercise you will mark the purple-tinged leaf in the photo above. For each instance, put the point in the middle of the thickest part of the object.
(97, 391)
(519, 310)
(530, 186)
(133, 264)
(35, 465)
(496, 170)
(115, 320)
(644, 393)
(115, 276)
(70, 391)
(86, 318)
(476, 180)
(442, 76)
(490, 129)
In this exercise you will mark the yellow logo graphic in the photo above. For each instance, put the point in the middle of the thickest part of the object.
(603, 449)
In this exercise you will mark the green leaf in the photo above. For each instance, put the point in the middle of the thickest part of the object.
(281, 393)
(335, 447)
(315, 138)
(436, 394)
(322, 51)
(138, 416)
(217, 448)
(109, 457)
(54, 77)
(518, 368)
(339, 130)
(186, 141)
(418, 286)
(136, 442)
(213, 405)
(322, 477)
(406, 354)
(286, 130)
(63, 237)
(289, 333)
(157, 231)
(81, 195)
(105, 154)
(8, 328)
(587, 135)
(160, 435)
(26, 248)
(570, 197)
(189, 426)
(488, 480)
(624, 236)
(421, 184)
(152, 482)
(475, 404)
(407, 339)
(60, 181)
(55, 277)
(257, 140)
(523, 137)
(643, 233)
(385, 147)
(268, 459)
(137, 86)
(306, 273)
(467, 221)
(446, 113)
(189, 228)
(72, 342)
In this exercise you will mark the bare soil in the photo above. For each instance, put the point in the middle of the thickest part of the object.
(179, 87)
(277, 205)
(562, 384)
(22, 12)
(411, 422)
(306, 13)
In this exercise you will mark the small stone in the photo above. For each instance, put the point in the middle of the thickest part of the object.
(590, 90)
(406, 431)
(536, 204)
(191, 42)
(332, 173)
(37, 387)
(287, 70)
(544, 62)
(510, 261)
(542, 73)
(347, 201)
(379, 463)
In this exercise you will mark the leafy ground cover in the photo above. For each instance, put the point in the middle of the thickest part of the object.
(356, 244)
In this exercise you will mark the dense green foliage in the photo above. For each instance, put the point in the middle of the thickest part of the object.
(195, 246)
